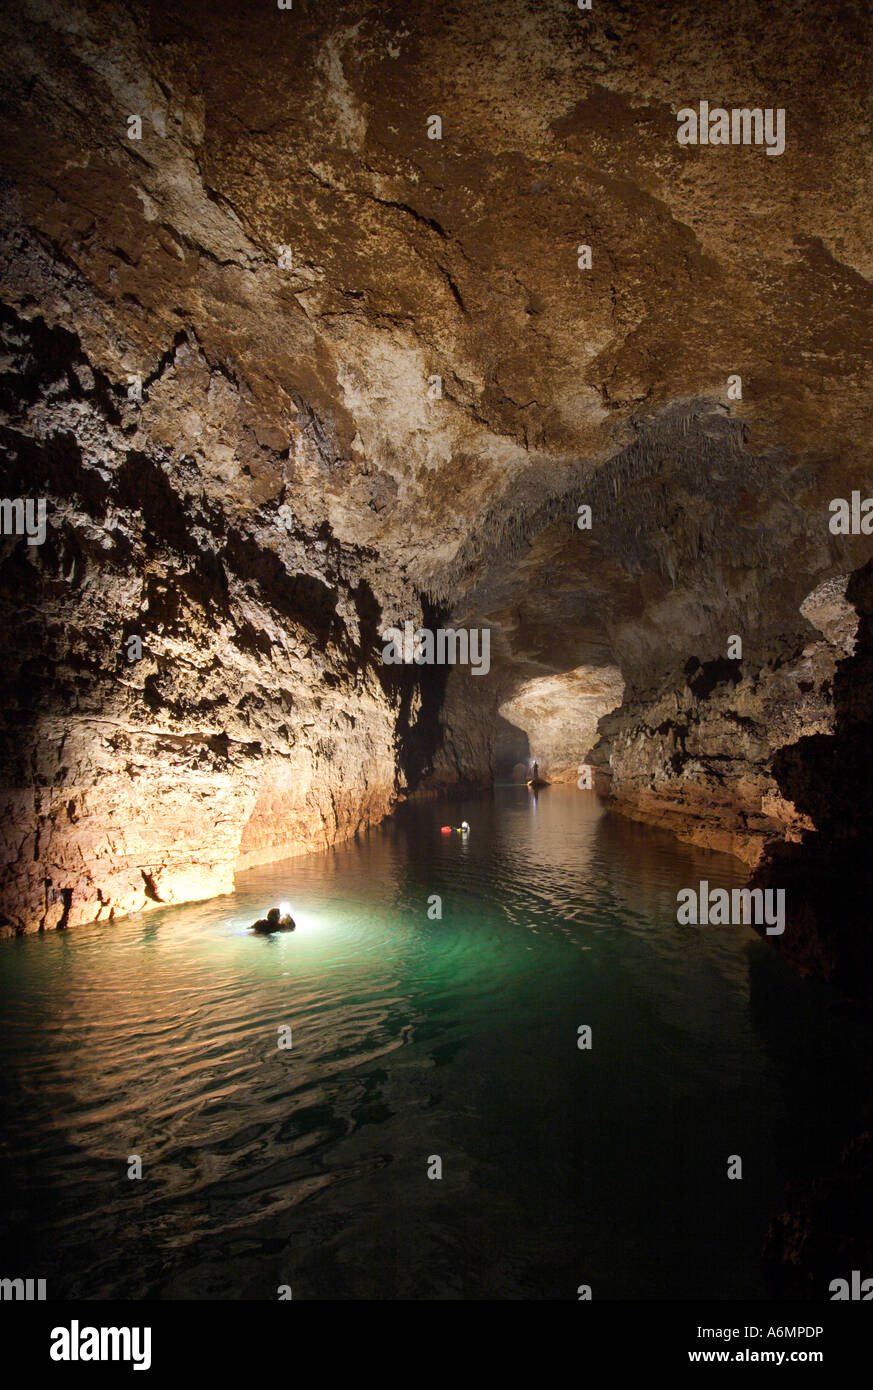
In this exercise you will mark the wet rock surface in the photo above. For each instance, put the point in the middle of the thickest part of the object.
(192, 687)
(287, 370)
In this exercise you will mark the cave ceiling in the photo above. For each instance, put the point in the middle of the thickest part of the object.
(371, 370)
(302, 137)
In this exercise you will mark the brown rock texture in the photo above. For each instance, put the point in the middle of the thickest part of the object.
(287, 371)
(827, 874)
(698, 762)
(560, 715)
(229, 738)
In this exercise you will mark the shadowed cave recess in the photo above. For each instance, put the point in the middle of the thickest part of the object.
(288, 372)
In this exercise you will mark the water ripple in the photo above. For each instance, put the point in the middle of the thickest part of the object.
(412, 1038)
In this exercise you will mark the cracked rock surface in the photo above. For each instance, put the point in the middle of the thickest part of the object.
(288, 371)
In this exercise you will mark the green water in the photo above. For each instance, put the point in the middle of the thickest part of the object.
(413, 1038)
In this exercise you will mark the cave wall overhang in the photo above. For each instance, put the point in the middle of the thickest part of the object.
(283, 378)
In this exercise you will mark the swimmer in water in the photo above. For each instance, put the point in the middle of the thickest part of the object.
(274, 921)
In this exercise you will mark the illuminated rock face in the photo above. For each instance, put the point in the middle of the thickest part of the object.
(560, 715)
(288, 370)
(191, 691)
(700, 764)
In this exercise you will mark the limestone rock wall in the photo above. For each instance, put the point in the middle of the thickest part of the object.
(827, 873)
(287, 370)
(189, 686)
(560, 715)
(671, 604)
(698, 761)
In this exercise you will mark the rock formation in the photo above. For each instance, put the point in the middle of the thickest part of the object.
(828, 872)
(287, 368)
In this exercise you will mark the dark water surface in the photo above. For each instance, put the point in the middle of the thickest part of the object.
(412, 1037)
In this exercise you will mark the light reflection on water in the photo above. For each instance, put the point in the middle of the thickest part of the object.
(157, 1036)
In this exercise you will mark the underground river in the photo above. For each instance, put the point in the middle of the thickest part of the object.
(414, 1038)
